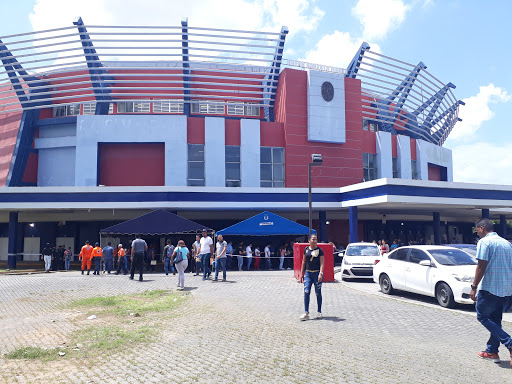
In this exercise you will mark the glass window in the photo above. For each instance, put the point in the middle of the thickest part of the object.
(399, 254)
(208, 107)
(90, 108)
(168, 106)
(369, 166)
(272, 173)
(365, 124)
(414, 170)
(232, 166)
(417, 255)
(373, 126)
(133, 107)
(66, 110)
(196, 165)
(395, 168)
(452, 257)
(362, 250)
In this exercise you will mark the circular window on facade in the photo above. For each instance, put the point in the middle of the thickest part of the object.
(327, 91)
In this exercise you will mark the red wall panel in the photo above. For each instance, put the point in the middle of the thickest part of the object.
(434, 172)
(232, 132)
(138, 164)
(272, 134)
(343, 163)
(195, 130)
(413, 149)
(394, 151)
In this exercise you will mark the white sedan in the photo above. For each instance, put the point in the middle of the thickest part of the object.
(359, 260)
(445, 273)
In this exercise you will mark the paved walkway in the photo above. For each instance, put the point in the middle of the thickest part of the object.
(247, 331)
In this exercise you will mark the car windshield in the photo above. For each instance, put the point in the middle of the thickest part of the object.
(451, 257)
(471, 249)
(362, 250)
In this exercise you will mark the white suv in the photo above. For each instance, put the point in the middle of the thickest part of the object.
(359, 260)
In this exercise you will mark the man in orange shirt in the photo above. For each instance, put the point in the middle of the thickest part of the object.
(97, 254)
(122, 262)
(86, 257)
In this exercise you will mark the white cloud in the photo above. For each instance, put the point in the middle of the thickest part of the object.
(478, 110)
(483, 163)
(379, 17)
(336, 49)
(298, 15)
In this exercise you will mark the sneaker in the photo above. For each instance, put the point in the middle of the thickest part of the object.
(131, 277)
(489, 356)
(180, 289)
(140, 279)
(318, 315)
(215, 279)
(304, 317)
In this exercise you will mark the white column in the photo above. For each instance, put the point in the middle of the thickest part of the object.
(215, 152)
(176, 151)
(403, 151)
(250, 152)
(384, 155)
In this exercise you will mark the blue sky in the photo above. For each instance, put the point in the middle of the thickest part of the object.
(466, 42)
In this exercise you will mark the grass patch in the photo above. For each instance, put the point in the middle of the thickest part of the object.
(110, 338)
(149, 301)
(32, 353)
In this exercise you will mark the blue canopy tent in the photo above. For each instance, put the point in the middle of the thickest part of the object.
(266, 224)
(159, 222)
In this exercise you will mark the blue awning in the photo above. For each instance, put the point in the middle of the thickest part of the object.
(265, 224)
(159, 222)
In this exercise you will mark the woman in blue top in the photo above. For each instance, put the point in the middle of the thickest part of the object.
(180, 258)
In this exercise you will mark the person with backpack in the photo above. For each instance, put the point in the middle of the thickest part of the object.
(180, 259)
(168, 251)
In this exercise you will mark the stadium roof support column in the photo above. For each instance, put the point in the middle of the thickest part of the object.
(274, 72)
(353, 67)
(22, 148)
(99, 86)
(186, 67)
(437, 228)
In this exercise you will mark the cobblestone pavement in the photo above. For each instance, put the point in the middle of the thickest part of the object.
(246, 330)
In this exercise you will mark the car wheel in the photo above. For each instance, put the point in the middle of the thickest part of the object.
(444, 296)
(385, 284)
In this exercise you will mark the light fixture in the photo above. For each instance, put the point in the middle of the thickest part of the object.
(327, 222)
(32, 225)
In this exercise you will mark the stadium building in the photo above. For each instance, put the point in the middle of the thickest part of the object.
(100, 124)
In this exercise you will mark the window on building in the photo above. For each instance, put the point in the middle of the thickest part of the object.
(242, 109)
(414, 170)
(369, 166)
(90, 109)
(208, 107)
(168, 106)
(272, 167)
(232, 166)
(369, 125)
(133, 107)
(66, 110)
(196, 165)
(395, 168)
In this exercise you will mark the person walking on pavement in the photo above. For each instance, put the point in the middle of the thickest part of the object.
(205, 252)
(68, 254)
(122, 263)
(86, 257)
(312, 272)
(195, 253)
(47, 257)
(248, 252)
(108, 257)
(139, 248)
(220, 258)
(266, 251)
(493, 279)
(168, 251)
(97, 254)
(180, 259)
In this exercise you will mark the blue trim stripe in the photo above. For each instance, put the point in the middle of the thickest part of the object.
(137, 197)
(447, 193)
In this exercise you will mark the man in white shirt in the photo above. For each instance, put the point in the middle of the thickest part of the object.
(248, 252)
(205, 252)
(267, 257)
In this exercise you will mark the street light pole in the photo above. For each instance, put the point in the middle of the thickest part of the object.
(316, 159)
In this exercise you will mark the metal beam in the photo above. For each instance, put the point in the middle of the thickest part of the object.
(353, 67)
(186, 67)
(94, 65)
(273, 77)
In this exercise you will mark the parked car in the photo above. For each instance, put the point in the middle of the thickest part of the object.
(445, 273)
(468, 248)
(358, 260)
